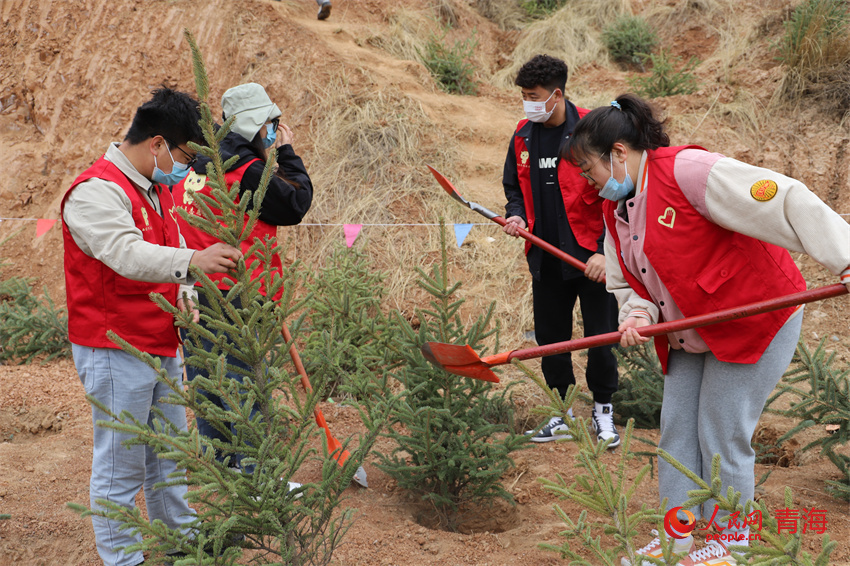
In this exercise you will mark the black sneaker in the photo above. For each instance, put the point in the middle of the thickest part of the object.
(325, 10)
(556, 429)
(603, 424)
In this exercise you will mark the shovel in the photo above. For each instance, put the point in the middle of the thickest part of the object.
(486, 213)
(463, 360)
(334, 445)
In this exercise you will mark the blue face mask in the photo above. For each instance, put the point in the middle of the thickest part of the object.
(614, 189)
(178, 171)
(271, 136)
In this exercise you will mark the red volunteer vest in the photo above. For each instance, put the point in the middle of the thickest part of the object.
(581, 201)
(99, 299)
(708, 268)
(201, 240)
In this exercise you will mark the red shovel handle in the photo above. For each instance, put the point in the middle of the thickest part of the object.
(760, 307)
(543, 244)
(489, 214)
(333, 443)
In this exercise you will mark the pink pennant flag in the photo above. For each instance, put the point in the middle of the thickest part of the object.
(42, 226)
(351, 232)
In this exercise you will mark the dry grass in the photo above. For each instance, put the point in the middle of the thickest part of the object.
(831, 88)
(828, 83)
(737, 40)
(816, 52)
(367, 165)
(507, 14)
(588, 94)
(446, 12)
(571, 33)
(745, 115)
(406, 34)
(670, 19)
(740, 115)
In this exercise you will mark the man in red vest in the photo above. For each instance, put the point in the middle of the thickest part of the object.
(121, 244)
(549, 197)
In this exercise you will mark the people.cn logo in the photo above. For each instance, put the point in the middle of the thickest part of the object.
(676, 528)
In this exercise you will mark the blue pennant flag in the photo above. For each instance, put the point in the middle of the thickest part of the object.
(461, 232)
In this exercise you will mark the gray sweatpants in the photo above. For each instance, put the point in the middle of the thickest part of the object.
(712, 407)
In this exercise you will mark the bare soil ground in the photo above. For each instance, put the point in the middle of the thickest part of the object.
(72, 73)
(45, 461)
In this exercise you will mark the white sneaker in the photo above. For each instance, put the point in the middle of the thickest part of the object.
(556, 429)
(712, 554)
(603, 423)
(292, 486)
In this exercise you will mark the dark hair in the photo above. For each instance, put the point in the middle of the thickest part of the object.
(257, 144)
(543, 70)
(633, 123)
(171, 114)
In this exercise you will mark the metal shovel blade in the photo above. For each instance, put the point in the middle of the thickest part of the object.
(449, 354)
(459, 360)
(447, 185)
(479, 371)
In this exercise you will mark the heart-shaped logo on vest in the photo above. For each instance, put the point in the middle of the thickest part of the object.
(668, 218)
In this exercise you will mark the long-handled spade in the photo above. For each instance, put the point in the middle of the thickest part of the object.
(486, 213)
(463, 360)
(334, 445)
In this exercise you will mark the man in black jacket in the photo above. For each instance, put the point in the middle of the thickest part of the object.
(550, 197)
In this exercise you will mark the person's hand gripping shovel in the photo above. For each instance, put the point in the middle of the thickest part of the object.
(334, 445)
(463, 360)
(489, 214)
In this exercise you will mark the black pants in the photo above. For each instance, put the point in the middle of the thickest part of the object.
(554, 300)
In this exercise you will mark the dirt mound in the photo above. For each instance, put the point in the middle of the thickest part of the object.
(771, 451)
(21, 425)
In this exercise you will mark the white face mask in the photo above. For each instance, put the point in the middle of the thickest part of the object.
(536, 111)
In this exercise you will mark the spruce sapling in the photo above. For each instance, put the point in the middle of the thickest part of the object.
(446, 450)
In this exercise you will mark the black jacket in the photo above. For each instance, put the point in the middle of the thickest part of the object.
(285, 203)
(516, 204)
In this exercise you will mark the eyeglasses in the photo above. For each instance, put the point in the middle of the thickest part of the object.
(585, 174)
(192, 159)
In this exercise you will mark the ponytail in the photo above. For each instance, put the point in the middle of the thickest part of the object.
(628, 119)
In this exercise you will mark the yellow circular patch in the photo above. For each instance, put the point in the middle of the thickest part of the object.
(763, 190)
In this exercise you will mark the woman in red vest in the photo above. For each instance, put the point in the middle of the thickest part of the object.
(690, 232)
(255, 129)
